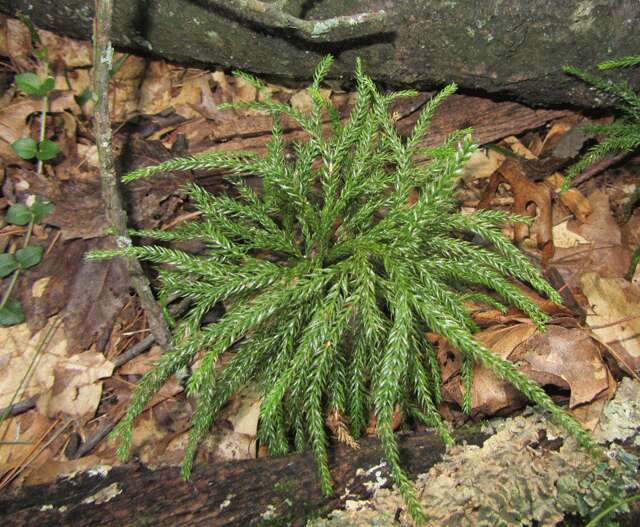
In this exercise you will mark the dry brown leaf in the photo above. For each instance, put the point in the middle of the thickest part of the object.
(613, 300)
(244, 91)
(66, 52)
(17, 352)
(13, 118)
(518, 148)
(563, 237)
(142, 363)
(482, 164)
(573, 199)
(302, 102)
(123, 89)
(557, 130)
(18, 44)
(589, 414)
(525, 193)
(24, 431)
(76, 390)
(166, 86)
(606, 255)
(52, 469)
(567, 358)
(490, 394)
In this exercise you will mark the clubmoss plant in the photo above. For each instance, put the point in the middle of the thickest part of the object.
(623, 135)
(331, 276)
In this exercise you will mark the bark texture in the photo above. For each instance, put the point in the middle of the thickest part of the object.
(512, 48)
(264, 491)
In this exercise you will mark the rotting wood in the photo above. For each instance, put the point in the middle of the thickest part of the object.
(281, 490)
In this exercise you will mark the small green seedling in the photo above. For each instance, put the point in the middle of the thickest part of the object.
(11, 312)
(34, 85)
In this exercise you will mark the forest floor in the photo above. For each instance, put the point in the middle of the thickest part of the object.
(68, 372)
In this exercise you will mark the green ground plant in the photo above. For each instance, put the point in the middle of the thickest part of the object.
(11, 312)
(623, 135)
(331, 275)
(40, 86)
(27, 148)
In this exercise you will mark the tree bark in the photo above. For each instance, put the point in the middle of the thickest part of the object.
(265, 491)
(514, 49)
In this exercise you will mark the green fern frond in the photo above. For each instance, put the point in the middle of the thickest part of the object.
(330, 277)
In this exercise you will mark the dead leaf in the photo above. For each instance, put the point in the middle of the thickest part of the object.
(25, 432)
(573, 199)
(52, 469)
(558, 131)
(301, 100)
(563, 237)
(567, 358)
(244, 92)
(13, 118)
(613, 300)
(18, 42)
(166, 86)
(482, 164)
(606, 255)
(525, 193)
(124, 88)
(518, 148)
(66, 52)
(142, 363)
(76, 390)
(18, 352)
(89, 295)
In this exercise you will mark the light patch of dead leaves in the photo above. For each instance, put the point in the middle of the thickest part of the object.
(68, 385)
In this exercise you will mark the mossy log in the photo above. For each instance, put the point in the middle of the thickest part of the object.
(264, 491)
(513, 49)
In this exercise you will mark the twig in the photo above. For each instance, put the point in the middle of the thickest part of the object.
(95, 439)
(116, 216)
(19, 408)
(333, 29)
(598, 167)
(134, 351)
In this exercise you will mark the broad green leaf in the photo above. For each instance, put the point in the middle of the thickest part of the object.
(8, 264)
(12, 313)
(29, 256)
(41, 209)
(33, 85)
(47, 150)
(46, 86)
(26, 148)
(18, 214)
(29, 83)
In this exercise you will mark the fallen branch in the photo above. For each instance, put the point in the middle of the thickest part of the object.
(265, 491)
(334, 29)
(114, 211)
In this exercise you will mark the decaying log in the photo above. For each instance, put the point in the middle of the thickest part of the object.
(265, 491)
(515, 49)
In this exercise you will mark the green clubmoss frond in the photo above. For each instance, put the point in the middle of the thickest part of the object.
(623, 135)
(331, 277)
